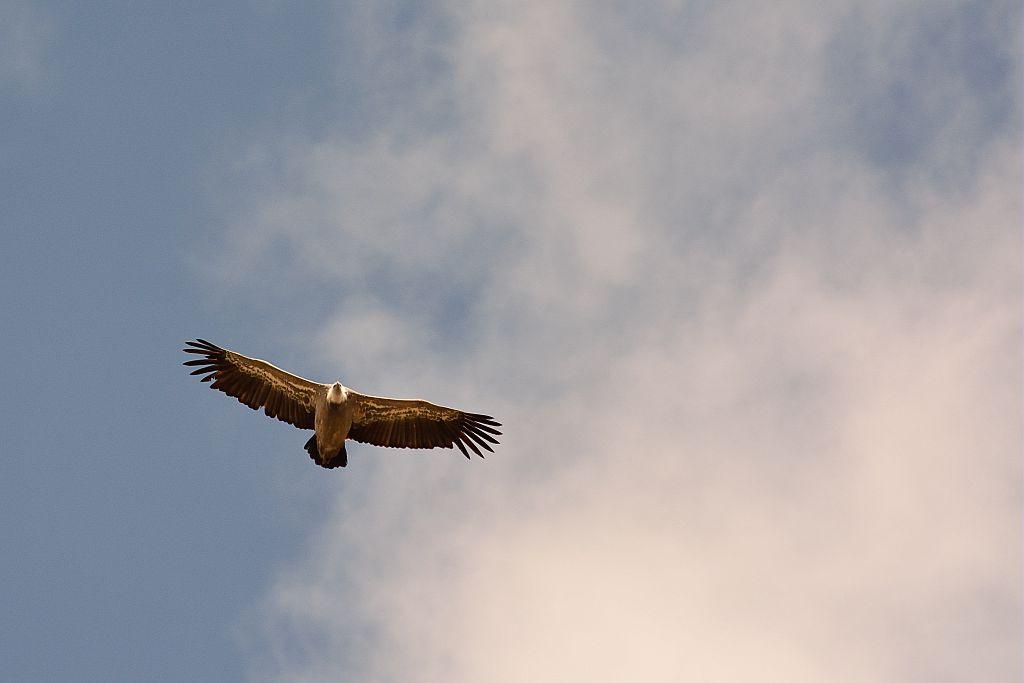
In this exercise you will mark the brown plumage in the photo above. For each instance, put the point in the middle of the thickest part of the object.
(337, 413)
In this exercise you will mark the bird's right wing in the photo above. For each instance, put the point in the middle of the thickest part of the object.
(256, 383)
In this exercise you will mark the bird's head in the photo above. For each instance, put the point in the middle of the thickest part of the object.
(336, 393)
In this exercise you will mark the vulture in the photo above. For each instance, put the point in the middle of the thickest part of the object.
(336, 413)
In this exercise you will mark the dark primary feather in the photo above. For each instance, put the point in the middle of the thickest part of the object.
(255, 383)
(410, 423)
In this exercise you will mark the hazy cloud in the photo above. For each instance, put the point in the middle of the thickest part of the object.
(25, 33)
(759, 364)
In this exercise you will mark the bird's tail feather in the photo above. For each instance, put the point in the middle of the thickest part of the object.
(340, 459)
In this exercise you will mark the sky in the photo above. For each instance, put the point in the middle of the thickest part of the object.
(743, 283)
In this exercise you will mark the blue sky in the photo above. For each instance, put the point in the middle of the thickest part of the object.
(130, 546)
(744, 286)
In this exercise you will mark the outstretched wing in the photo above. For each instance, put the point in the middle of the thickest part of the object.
(256, 383)
(405, 423)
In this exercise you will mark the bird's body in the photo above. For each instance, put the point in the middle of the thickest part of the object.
(336, 413)
(331, 425)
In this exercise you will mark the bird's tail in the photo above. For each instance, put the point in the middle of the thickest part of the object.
(340, 459)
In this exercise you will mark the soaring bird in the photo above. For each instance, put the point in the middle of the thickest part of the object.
(337, 413)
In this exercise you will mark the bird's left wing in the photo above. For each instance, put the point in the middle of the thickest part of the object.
(411, 423)
(256, 383)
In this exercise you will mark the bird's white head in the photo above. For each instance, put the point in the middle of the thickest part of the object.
(336, 393)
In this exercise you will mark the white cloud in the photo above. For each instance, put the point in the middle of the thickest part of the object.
(763, 411)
